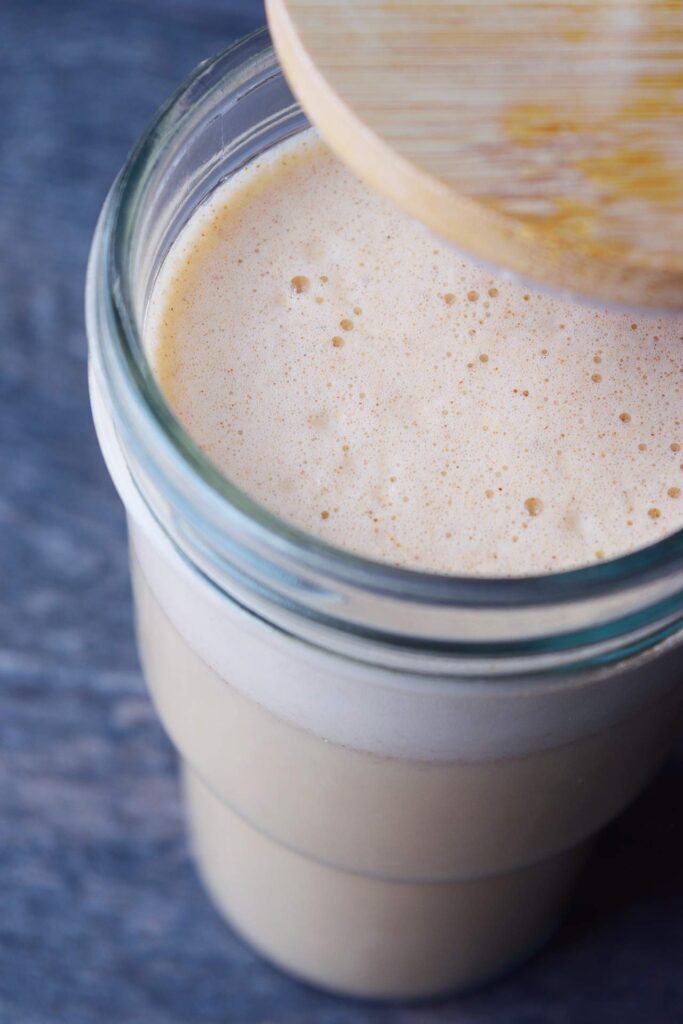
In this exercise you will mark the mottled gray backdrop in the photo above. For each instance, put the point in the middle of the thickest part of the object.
(102, 920)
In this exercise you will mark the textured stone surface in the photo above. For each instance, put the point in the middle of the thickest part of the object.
(102, 920)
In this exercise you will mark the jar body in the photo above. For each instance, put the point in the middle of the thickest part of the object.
(377, 875)
(382, 826)
(370, 831)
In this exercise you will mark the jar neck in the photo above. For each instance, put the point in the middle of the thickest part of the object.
(232, 109)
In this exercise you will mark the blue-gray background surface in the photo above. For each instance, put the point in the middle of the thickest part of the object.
(102, 920)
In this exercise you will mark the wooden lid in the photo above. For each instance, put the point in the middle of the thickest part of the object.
(543, 137)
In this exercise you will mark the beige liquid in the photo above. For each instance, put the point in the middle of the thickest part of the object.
(355, 375)
(360, 379)
(379, 874)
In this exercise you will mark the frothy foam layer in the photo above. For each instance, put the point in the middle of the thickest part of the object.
(360, 379)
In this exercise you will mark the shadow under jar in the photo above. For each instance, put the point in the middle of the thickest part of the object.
(391, 778)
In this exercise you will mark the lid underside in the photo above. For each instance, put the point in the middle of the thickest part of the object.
(543, 137)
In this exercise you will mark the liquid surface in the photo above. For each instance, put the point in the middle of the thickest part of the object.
(360, 379)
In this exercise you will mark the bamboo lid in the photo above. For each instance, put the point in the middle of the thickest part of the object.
(542, 137)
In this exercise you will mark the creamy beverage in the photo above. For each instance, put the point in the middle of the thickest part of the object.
(375, 831)
(360, 379)
(393, 768)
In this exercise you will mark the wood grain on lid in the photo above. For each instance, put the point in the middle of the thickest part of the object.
(543, 137)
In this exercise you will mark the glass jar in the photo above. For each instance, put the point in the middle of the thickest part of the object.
(391, 777)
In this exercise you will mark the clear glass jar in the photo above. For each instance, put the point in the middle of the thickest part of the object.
(391, 777)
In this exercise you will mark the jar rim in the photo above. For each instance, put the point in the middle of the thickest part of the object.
(607, 579)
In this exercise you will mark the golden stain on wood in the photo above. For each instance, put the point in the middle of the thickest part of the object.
(627, 173)
(535, 124)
